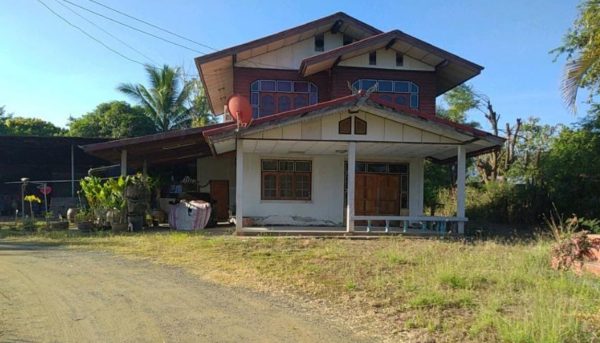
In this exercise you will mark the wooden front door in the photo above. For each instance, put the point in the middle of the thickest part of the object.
(377, 194)
(219, 191)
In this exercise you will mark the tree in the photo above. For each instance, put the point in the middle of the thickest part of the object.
(460, 100)
(20, 126)
(115, 119)
(164, 102)
(581, 45)
(571, 169)
(198, 105)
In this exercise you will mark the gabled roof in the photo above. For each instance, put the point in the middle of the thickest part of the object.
(452, 70)
(216, 69)
(341, 19)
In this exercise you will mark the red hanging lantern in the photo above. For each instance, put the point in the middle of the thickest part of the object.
(240, 109)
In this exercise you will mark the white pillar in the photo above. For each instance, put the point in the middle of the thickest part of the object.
(351, 184)
(239, 185)
(461, 163)
(123, 162)
(415, 187)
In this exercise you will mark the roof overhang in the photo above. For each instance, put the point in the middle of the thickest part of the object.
(216, 69)
(177, 146)
(452, 70)
(223, 139)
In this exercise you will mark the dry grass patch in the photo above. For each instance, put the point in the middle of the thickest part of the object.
(448, 291)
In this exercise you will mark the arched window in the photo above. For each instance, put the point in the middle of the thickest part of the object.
(403, 93)
(273, 96)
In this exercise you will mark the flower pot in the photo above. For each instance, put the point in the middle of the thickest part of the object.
(71, 213)
(85, 226)
(62, 225)
(119, 227)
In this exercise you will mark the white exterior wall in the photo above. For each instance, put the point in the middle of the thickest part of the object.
(291, 56)
(386, 59)
(217, 168)
(327, 198)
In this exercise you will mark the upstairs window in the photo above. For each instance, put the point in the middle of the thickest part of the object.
(373, 58)
(347, 39)
(320, 42)
(399, 60)
(403, 93)
(274, 96)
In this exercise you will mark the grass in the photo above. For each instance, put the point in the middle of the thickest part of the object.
(422, 289)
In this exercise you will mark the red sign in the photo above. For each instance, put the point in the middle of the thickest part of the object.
(45, 189)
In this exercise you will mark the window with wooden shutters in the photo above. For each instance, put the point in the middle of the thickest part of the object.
(360, 126)
(286, 180)
(345, 126)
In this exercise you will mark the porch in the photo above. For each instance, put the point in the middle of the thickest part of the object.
(382, 226)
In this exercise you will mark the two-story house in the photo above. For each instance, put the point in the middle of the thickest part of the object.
(344, 118)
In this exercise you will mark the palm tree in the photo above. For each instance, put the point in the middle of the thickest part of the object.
(164, 102)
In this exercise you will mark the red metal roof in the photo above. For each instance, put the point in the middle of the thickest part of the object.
(349, 99)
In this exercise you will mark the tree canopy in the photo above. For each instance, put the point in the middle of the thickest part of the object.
(114, 119)
(581, 45)
(21, 126)
(165, 100)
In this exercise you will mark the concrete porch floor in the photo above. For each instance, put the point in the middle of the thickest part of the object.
(333, 231)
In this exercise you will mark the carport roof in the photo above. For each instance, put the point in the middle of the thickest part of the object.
(172, 146)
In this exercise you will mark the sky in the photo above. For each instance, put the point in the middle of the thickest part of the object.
(51, 70)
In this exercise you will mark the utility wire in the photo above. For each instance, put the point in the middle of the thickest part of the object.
(105, 31)
(132, 27)
(152, 25)
(89, 35)
(102, 43)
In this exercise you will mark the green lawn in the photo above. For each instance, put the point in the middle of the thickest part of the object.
(417, 288)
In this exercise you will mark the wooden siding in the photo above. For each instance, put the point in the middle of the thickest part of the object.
(336, 85)
(425, 80)
(243, 77)
(379, 129)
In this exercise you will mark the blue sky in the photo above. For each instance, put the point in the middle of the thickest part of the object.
(52, 71)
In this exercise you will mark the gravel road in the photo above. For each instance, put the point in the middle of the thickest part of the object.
(51, 294)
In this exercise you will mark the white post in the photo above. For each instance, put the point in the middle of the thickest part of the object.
(351, 184)
(123, 162)
(239, 185)
(461, 162)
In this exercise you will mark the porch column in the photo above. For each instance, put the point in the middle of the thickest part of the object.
(351, 183)
(461, 162)
(123, 162)
(239, 184)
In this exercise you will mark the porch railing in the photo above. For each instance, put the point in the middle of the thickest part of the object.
(425, 223)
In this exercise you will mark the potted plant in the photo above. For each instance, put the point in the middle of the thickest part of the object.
(137, 193)
(116, 204)
(96, 197)
(84, 220)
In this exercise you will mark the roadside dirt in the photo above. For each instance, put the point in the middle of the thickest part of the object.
(51, 294)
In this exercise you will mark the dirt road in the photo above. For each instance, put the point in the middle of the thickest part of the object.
(51, 294)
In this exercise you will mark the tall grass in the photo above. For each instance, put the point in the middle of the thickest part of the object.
(448, 291)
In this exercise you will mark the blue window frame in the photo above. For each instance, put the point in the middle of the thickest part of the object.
(410, 90)
(299, 94)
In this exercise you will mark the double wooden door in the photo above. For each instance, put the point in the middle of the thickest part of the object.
(377, 194)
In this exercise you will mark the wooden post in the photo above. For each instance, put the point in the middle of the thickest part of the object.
(351, 184)
(239, 185)
(461, 163)
(145, 168)
(123, 162)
